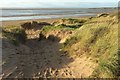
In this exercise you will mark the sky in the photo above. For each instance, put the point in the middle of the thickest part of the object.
(57, 3)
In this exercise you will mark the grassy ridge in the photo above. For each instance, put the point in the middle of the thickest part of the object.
(98, 40)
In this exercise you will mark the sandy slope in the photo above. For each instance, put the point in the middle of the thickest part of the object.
(43, 59)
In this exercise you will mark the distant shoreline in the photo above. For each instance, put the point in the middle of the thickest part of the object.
(47, 13)
(42, 14)
(46, 17)
(55, 8)
(19, 22)
(49, 20)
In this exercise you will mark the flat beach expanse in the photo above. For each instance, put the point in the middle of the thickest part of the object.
(14, 17)
(19, 22)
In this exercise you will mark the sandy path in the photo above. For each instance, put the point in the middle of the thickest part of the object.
(43, 59)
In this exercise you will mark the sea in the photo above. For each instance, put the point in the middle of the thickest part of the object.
(26, 14)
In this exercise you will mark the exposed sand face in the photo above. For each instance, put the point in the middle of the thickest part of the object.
(43, 59)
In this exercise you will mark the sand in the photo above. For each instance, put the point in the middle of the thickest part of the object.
(19, 22)
(42, 58)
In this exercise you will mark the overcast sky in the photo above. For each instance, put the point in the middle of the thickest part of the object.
(57, 3)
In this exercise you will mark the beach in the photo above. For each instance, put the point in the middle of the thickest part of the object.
(19, 22)
(15, 17)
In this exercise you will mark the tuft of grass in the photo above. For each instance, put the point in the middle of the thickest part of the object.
(71, 40)
(70, 22)
(73, 21)
(46, 29)
(107, 68)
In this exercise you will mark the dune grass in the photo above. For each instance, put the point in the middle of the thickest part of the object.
(100, 41)
(96, 38)
(46, 29)
(70, 22)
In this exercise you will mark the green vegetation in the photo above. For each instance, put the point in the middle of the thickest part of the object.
(72, 23)
(15, 34)
(108, 67)
(71, 40)
(64, 24)
(96, 38)
(99, 41)
(46, 29)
